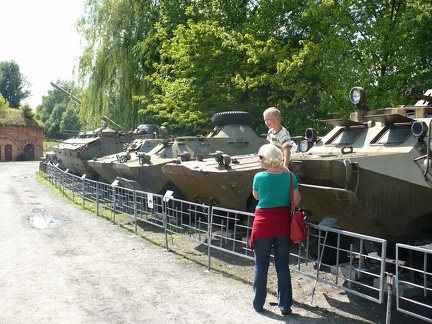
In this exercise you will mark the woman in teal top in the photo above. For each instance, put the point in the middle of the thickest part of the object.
(271, 226)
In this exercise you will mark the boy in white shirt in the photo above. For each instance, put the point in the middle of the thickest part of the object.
(277, 134)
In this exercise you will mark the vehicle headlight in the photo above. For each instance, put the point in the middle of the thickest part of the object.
(358, 97)
(311, 134)
(304, 146)
(419, 129)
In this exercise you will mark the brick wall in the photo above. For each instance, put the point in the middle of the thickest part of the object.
(15, 140)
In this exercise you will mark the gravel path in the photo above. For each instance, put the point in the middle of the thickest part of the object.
(58, 264)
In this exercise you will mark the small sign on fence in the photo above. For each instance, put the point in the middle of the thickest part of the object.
(150, 200)
(168, 195)
(328, 222)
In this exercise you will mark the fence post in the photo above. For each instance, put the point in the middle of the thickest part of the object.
(135, 210)
(114, 202)
(390, 283)
(62, 182)
(97, 198)
(166, 198)
(73, 190)
(321, 254)
(83, 189)
(165, 224)
(209, 236)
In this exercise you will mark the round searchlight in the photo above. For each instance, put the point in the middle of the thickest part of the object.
(357, 96)
(311, 134)
(304, 146)
(419, 129)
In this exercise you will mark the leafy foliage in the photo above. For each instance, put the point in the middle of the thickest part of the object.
(110, 64)
(59, 111)
(177, 63)
(70, 120)
(3, 102)
(12, 84)
(28, 111)
(16, 117)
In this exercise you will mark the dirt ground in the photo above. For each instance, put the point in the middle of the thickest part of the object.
(60, 264)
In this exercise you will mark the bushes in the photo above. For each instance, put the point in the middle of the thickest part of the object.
(21, 157)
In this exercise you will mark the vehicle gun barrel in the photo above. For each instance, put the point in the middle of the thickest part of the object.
(105, 118)
(424, 97)
(65, 91)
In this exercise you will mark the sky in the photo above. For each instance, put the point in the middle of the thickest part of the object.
(40, 36)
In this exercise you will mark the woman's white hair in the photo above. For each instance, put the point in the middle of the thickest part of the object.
(272, 154)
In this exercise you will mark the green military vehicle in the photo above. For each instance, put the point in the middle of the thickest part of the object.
(231, 133)
(75, 153)
(371, 172)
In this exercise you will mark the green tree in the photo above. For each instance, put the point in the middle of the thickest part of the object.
(52, 125)
(379, 45)
(110, 68)
(12, 84)
(70, 119)
(3, 102)
(28, 111)
(57, 109)
(194, 75)
(177, 63)
(220, 61)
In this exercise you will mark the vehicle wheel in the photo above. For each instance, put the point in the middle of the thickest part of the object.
(251, 204)
(232, 117)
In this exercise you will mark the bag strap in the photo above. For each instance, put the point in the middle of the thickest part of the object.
(292, 192)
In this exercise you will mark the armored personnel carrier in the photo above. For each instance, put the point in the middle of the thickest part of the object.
(73, 154)
(104, 166)
(371, 172)
(221, 180)
(231, 133)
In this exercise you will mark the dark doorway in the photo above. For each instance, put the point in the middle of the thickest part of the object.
(8, 152)
(29, 152)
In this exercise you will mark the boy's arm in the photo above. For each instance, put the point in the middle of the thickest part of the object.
(255, 194)
(287, 155)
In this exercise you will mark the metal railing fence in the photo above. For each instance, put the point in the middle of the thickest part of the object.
(339, 253)
(349, 261)
(413, 281)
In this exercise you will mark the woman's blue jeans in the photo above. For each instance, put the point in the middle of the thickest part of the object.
(281, 250)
